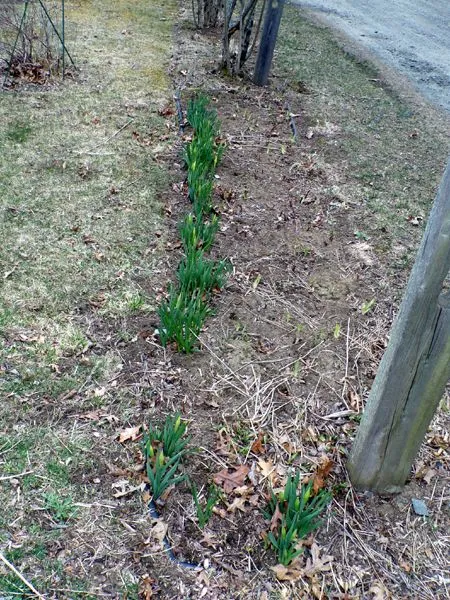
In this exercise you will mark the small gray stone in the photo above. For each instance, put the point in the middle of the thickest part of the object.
(420, 508)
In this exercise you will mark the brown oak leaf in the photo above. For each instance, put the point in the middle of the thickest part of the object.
(322, 472)
(130, 433)
(289, 573)
(232, 478)
(267, 469)
(237, 504)
(258, 446)
(316, 564)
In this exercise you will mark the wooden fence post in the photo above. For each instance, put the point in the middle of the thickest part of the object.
(415, 368)
(268, 40)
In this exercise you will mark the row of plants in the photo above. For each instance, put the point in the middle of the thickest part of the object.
(293, 513)
(184, 311)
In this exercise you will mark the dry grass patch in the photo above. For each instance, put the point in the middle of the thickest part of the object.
(382, 144)
(79, 177)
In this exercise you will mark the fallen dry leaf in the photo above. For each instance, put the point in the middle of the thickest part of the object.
(99, 392)
(252, 474)
(316, 564)
(237, 504)
(130, 433)
(98, 415)
(124, 488)
(355, 400)
(167, 111)
(290, 573)
(116, 471)
(230, 479)
(221, 512)
(203, 579)
(223, 442)
(158, 532)
(405, 565)
(426, 473)
(317, 591)
(146, 587)
(267, 468)
(242, 490)
(276, 518)
(379, 591)
(146, 496)
(209, 540)
(287, 444)
(322, 472)
(258, 446)
(429, 475)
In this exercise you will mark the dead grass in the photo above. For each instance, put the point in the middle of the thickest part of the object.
(382, 143)
(79, 177)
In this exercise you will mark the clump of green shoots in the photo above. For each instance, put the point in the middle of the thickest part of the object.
(196, 272)
(203, 153)
(205, 511)
(164, 449)
(196, 233)
(298, 515)
(196, 111)
(181, 319)
(182, 315)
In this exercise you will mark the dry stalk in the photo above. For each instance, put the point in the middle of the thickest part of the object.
(29, 585)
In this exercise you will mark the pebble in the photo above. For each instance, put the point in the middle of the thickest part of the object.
(420, 508)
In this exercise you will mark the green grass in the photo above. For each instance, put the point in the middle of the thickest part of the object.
(78, 208)
(61, 508)
(12, 587)
(381, 166)
(78, 202)
(18, 132)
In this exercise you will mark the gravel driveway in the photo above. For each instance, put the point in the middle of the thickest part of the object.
(413, 36)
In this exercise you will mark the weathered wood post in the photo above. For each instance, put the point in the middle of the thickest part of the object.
(268, 40)
(415, 367)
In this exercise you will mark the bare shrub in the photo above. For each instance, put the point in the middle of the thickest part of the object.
(242, 23)
(29, 46)
(207, 13)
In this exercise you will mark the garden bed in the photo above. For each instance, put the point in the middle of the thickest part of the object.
(320, 232)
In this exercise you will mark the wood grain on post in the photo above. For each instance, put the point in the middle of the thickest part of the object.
(415, 368)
